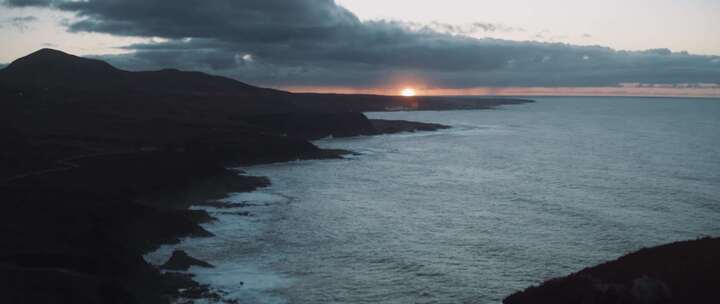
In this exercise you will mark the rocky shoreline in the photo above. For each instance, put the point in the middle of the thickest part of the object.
(94, 221)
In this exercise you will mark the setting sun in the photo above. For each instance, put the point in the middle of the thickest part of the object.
(408, 92)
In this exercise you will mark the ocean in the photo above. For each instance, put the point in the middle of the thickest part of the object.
(505, 199)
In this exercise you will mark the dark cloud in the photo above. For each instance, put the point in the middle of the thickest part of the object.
(24, 3)
(316, 42)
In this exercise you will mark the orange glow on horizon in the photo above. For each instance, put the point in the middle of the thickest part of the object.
(408, 92)
(526, 91)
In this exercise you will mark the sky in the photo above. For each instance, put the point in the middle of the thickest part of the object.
(689, 25)
(510, 47)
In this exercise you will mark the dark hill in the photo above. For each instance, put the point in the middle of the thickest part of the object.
(62, 106)
(52, 70)
(682, 272)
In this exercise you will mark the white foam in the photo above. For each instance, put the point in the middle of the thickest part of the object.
(159, 256)
(243, 281)
(260, 197)
(242, 267)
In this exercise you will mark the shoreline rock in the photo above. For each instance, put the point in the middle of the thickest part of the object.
(384, 126)
(181, 261)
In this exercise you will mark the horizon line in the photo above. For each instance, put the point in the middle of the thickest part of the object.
(566, 91)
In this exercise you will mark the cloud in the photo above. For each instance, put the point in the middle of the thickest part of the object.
(469, 29)
(318, 43)
(21, 23)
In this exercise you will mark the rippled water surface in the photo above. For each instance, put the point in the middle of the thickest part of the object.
(503, 200)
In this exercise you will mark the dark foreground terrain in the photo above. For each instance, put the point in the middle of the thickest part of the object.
(99, 166)
(682, 272)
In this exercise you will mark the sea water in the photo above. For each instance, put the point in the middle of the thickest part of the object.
(503, 200)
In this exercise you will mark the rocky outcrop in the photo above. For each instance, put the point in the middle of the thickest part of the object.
(682, 272)
(383, 126)
(180, 260)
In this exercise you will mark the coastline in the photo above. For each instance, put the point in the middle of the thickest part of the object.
(632, 272)
(683, 247)
(245, 274)
(179, 286)
(92, 232)
(239, 205)
(245, 205)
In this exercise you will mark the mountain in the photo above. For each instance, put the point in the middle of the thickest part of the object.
(51, 94)
(53, 70)
(55, 105)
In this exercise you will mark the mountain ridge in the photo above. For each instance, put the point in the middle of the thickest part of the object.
(49, 69)
(55, 75)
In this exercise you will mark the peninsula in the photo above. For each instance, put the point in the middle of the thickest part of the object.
(100, 165)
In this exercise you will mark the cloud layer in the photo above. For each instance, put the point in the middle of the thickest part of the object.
(318, 43)
(20, 23)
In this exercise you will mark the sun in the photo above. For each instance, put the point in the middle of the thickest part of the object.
(408, 92)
